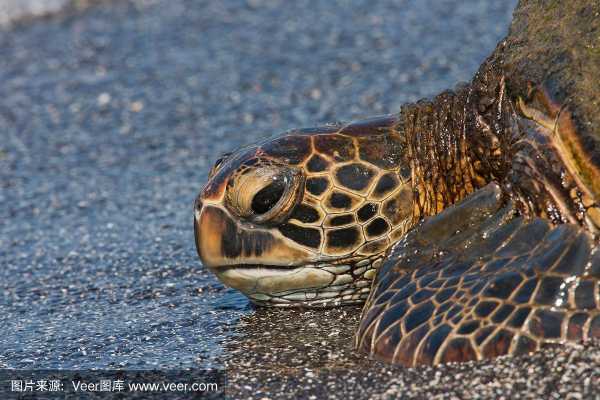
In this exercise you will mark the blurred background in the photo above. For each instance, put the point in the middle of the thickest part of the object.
(111, 115)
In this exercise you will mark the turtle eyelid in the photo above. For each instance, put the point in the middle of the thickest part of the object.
(220, 160)
(218, 163)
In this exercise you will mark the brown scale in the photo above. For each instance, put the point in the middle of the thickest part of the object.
(523, 285)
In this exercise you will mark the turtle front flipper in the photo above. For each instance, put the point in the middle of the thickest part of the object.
(476, 282)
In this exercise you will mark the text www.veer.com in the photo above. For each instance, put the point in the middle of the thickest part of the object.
(173, 387)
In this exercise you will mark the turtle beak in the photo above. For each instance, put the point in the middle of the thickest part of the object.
(223, 241)
(246, 258)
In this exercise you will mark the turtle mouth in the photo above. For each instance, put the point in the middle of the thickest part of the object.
(311, 286)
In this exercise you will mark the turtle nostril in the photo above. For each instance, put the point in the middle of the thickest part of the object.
(267, 197)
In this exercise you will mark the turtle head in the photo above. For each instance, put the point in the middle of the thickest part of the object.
(305, 218)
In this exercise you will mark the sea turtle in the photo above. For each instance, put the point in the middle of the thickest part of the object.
(468, 223)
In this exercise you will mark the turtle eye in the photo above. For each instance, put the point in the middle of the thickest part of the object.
(268, 197)
(218, 164)
(265, 194)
